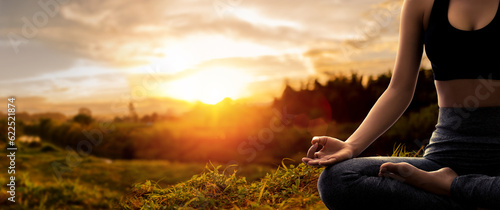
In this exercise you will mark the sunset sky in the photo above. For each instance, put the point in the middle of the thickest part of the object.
(58, 56)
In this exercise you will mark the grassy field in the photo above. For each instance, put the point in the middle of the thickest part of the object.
(94, 183)
(97, 183)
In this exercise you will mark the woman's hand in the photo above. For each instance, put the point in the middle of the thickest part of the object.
(327, 151)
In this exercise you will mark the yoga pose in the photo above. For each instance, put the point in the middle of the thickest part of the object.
(460, 168)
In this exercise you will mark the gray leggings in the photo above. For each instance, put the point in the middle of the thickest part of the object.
(466, 140)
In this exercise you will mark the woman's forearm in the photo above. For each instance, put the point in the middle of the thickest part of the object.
(386, 111)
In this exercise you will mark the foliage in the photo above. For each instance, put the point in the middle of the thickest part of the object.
(287, 187)
(3, 130)
(83, 119)
(347, 99)
(232, 131)
(400, 151)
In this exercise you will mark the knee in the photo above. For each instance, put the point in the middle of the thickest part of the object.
(333, 185)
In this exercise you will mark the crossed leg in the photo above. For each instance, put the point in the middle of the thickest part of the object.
(437, 182)
(356, 184)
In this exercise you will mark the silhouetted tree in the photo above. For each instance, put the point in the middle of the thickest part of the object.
(82, 119)
(44, 127)
(85, 111)
(132, 113)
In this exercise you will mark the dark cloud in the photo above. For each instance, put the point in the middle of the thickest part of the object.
(33, 59)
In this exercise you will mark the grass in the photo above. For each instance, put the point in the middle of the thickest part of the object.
(292, 187)
(97, 183)
(400, 151)
(68, 194)
(94, 183)
(289, 187)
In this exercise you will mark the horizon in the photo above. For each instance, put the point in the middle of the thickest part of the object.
(183, 106)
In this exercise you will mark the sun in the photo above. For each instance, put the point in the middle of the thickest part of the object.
(209, 86)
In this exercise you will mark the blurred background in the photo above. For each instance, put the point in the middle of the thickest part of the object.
(110, 93)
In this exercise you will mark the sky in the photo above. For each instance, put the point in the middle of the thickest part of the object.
(60, 55)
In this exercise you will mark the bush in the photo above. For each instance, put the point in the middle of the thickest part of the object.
(83, 119)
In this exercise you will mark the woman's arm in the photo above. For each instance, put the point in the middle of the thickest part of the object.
(393, 102)
(396, 98)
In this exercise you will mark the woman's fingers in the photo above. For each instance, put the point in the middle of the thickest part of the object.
(313, 162)
(315, 139)
(329, 161)
(333, 159)
(319, 154)
(321, 140)
(306, 160)
(310, 162)
(324, 161)
(312, 150)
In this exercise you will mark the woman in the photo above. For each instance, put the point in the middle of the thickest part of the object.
(461, 165)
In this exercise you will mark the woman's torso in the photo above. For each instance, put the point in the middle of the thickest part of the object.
(470, 18)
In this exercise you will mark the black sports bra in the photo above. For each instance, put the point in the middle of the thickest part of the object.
(459, 54)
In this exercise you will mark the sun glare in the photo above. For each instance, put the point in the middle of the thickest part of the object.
(177, 59)
(209, 86)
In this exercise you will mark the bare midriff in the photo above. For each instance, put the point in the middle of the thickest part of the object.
(468, 93)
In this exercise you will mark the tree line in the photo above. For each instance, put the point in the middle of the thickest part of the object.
(231, 131)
